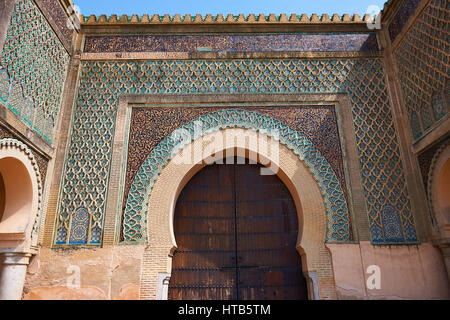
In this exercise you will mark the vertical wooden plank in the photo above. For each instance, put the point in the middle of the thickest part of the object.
(267, 228)
(203, 267)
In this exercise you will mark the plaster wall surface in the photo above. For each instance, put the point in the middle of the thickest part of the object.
(407, 272)
(114, 273)
(107, 273)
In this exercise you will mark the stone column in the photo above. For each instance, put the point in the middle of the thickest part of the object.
(13, 269)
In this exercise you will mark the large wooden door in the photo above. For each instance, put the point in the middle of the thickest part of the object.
(236, 232)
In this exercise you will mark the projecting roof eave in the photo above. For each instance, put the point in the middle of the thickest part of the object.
(230, 23)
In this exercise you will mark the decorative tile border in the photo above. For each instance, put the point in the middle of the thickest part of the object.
(229, 19)
(42, 162)
(321, 42)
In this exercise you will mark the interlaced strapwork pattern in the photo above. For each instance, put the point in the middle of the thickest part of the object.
(387, 202)
(88, 159)
(33, 66)
(423, 64)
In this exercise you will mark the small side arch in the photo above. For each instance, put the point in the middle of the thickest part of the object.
(22, 191)
(316, 261)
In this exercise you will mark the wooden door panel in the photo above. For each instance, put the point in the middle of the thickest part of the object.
(271, 283)
(236, 233)
(263, 241)
(267, 230)
(250, 174)
(204, 265)
(206, 293)
(261, 284)
(200, 225)
(205, 282)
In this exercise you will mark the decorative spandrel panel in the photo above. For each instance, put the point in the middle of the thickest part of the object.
(423, 64)
(88, 160)
(150, 126)
(33, 65)
(329, 177)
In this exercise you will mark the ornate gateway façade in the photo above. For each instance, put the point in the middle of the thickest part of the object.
(213, 157)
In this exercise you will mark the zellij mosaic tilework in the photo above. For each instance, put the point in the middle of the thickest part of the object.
(88, 159)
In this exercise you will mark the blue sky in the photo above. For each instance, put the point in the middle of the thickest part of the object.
(203, 7)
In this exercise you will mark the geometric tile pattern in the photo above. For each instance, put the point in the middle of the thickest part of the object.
(232, 42)
(406, 10)
(36, 63)
(423, 63)
(380, 161)
(135, 215)
(4, 85)
(88, 158)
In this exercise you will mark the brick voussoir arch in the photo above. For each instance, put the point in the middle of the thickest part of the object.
(134, 222)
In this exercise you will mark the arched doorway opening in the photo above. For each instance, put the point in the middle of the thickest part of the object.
(16, 194)
(443, 192)
(237, 233)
